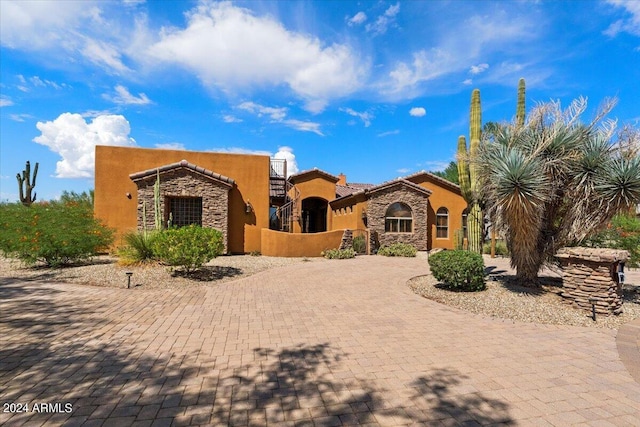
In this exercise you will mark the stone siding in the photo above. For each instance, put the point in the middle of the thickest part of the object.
(185, 183)
(377, 206)
(589, 273)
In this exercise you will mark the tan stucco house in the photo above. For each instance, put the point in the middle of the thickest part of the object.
(257, 208)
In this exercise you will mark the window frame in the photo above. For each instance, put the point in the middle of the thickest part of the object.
(398, 224)
(440, 227)
(191, 218)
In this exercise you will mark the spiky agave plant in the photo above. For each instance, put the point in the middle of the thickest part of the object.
(555, 180)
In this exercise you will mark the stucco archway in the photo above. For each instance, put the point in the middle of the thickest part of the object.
(314, 215)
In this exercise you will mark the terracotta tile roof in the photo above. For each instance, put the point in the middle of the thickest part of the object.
(399, 181)
(317, 171)
(434, 177)
(182, 164)
(346, 190)
(369, 188)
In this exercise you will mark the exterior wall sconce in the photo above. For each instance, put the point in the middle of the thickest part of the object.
(364, 217)
(128, 195)
(248, 207)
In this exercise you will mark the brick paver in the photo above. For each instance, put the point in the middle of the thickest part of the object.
(313, 344)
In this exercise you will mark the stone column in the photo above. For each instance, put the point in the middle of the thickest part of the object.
(592, 273)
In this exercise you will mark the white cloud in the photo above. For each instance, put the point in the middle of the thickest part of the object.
(403, 170)
(286, 153)
(240, 150)
(5, 101)
(20, 117)
(385, 20)
(278, 115)
(75, 27)
(74, 140)
(171, 146)
(357, 19)
(417, 112)
(630, 25)
(365, 116)
(477, 69)
(303, 126)
(388, 133)
(467, 82)
(124, 97)
(462, 43)
(275, 113)
(228, 118)
(231, 49)
(436, 165)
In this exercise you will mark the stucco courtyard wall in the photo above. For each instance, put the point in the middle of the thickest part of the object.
(278, 243)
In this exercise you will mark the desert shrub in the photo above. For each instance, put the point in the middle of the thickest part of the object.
(459, 270)
(255, 253)
(501, 248)
(139, 247)
(623, 232)
(398, 249)
(359, 244)
(188, 247)
(338, 253)
(55, 233)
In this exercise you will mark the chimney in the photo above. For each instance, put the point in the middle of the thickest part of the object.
(342, 180)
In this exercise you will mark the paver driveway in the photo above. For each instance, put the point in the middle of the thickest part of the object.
(327, 343)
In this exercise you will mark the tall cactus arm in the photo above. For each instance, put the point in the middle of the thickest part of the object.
(520, 110)
(474, 143)
(463, 169)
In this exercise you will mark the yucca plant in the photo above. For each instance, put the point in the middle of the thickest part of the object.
(138, 247)
(554, 180)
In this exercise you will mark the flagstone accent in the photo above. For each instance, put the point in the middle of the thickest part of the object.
(591, 275)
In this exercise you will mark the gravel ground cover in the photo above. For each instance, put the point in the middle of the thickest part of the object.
(105, 271)
(504, 299)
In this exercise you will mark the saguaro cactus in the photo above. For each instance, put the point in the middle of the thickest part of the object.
(26, 184)
(520, 110)
(468, 174)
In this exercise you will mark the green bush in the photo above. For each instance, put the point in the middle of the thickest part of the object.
(501, 248)
(459, 270)
(338, 253)
(55, 233)
(398, 249)
(359, 244)
(188, 247)
(623, 232)
(139, 247)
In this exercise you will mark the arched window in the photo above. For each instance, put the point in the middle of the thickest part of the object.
(442, 223)
(398, 218)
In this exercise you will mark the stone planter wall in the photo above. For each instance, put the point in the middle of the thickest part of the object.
(589, 273)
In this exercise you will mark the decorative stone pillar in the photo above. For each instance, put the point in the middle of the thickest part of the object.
(590, 273)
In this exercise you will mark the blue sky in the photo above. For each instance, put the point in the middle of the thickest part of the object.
(373, 89)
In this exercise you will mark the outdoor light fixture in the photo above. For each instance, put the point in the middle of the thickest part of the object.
(592, 301)
(128, 195)
(249, 207)
(129, 274)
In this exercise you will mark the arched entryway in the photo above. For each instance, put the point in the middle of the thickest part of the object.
(314, 215)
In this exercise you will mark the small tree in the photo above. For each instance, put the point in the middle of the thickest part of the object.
(554, 180)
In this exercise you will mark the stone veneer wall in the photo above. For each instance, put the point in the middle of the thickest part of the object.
(592, 273)
(377, 206)
(186, 183)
